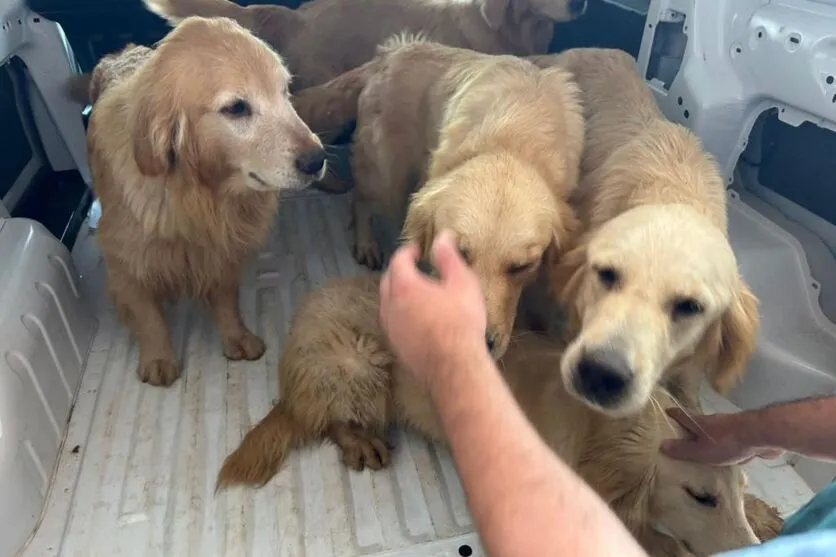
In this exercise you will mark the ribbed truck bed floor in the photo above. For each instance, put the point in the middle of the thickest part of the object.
(137, 472)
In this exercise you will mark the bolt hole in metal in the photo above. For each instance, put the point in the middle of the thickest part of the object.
(465, 550)
(793, 42)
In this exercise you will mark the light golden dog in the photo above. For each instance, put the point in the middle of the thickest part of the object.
(340, 381)
(189, 146)
(489, 144)
(764, 519)
(652, 289)
(324, 38)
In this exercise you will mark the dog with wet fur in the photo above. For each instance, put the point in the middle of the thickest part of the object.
(341, 382)
(190, 144)
(447, 138)
(324, 38)
(651, 291)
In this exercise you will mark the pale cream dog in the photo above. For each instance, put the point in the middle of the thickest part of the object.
(652, 289)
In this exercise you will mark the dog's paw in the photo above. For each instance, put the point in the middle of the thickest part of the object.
(368, 254)
(244, 347)
(363, 449)
(160, 373)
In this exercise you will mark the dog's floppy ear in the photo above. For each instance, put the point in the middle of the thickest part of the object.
(566, 228)
(537, 33)
(626, 481)
(419, 225)
(539, 301)
(738, 335)
(566, 272)
(158, 130)
(164, 139)
(494, 12)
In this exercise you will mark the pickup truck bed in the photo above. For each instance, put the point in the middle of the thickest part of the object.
(136, 472)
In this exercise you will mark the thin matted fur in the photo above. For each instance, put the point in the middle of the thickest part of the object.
(340, 381)
(490, 146)
(189, 146)
(652, 288)
(324, 38)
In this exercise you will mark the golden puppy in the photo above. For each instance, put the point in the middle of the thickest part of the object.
(764, 519)
(340, 381)
(189, 146)
(652, 289)
(324, 38)
(489, 144)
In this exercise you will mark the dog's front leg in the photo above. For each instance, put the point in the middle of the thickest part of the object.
(366, 249)
(239, 342)
(142, 312)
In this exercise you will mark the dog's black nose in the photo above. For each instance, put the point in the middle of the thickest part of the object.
(602, 376)
(490, 340)
(311, 162)
(577, 7)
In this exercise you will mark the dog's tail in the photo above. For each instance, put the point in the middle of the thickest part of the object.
(263, 450)
(328, 109)
(274, 24)
(78, 88)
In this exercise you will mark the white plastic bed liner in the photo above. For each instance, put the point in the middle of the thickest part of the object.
(137, 470)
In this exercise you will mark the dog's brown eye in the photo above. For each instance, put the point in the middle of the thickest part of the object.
(705, 499)
(686, 307)
(239, 108)
(608, 277)
(520, 268)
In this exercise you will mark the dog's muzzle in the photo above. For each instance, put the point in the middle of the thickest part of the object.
(602, 376)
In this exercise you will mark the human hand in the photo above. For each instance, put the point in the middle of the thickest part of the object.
(714, 439)
(429, 321)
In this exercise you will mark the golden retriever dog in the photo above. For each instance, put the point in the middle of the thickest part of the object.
(764, 519)
(324, 38)
(652, 289)
(490, 145)
(340, 381)
(189, 147)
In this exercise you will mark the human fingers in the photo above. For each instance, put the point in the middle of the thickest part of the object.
(402, 268)
(446, 257)
(770, 454)
(687, 421)
(406, 256)
(689, 450)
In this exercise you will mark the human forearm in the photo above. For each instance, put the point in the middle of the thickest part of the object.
(524, 499)
(806, 426)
